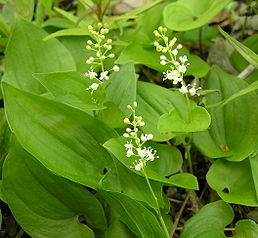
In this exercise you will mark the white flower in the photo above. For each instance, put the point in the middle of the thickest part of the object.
(193, 91)
(173, 75)
(179, 46)
(104, 75)
(116, 68)
(127, 121)
(93, 87)
(126, 135)
(183, 89)
(146, 154)
(137, 165)
(163, 62)
(91, 74)
(145, 137)
(163, 57)
(183, 59)
(175, 52)
(182, 68)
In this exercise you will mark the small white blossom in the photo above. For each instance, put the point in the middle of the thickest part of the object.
(91, 74)
(183, 59)
(116, 68)
(182, 68)
(93, 87)
(193, 91)
(163, 62)
(173, 75)
(146, 137)
(175, 52)
(104, 75)
(163, 57)
(126, 135)
(183, 89)
(137, 165)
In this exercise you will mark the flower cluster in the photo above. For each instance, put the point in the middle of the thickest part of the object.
(177, 65)
(134, 146)
(101, 46)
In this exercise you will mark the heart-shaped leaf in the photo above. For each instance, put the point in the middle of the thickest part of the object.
(185, 15)
(235, 182)
(209, 221)
(198, 120)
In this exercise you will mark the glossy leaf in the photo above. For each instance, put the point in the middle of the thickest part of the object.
(246, 228)
(248, 54)
(235, 182)
(116, 146)
(233, 131)
(209, 221)
(70, 88)
(199, 120)
(122, 88)
(24, 8)
(67, 141)
(184, 15)
(46, 205)
(27, 54)
(153, 101)
(140, 220)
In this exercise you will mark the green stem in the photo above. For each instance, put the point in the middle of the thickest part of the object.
(157, 204)
(200, 42)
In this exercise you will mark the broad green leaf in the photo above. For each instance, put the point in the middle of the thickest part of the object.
(235, 182)
(122, 88)
(116, 147)
(3, 26)
(26, 54)
(70, 88)
(233, 131)
(46, 205)
(154, 101)
(58, 22)
(140, 220)
(246, 229)
(133, 185)
(111, 115)
(68, 32)
(119, 229)
(5, 135)
(24, 8)
(248, 54)
(250, 88)
(184, 15)
(76, 46)
(209, 221)
(65, 140)
(199, 120)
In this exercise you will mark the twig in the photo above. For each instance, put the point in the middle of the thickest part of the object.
(178, 215)
(246, 72)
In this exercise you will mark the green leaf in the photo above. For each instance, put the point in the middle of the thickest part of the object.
(189, 14)
(26, 54)
(209, 221)
(246, 228)
(68, 32)
(122, 88)
(233, 130)
(140, 220)
(248, 54)
(65, 140)
(154, 101)
(119, 229)
(70, 88)
(250, 88)
(132, 186)
(116, 147)
(24, 8)
(46, 205)
(235, 182)
(199, 120)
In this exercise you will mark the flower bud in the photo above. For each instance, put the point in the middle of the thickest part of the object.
(89, 42)
(100, 25)
(135, 104)
(127, 121)
(111, 55)
(109, 41)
